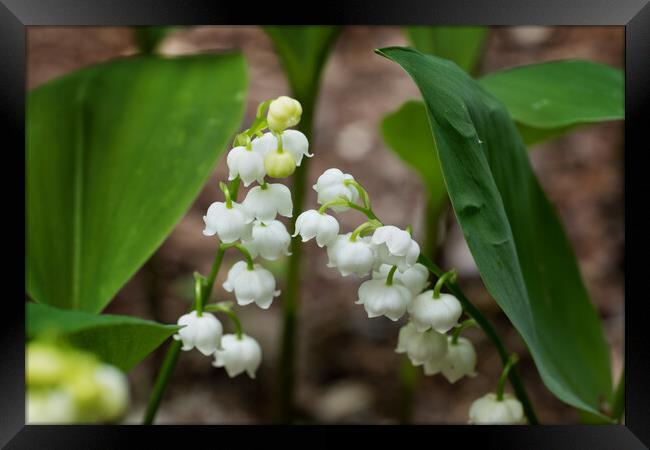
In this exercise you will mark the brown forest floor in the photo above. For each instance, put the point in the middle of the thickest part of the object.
(347, 370)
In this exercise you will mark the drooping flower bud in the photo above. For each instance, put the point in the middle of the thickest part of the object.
(488, 410)
(266, 203)
(284, 112)
(256, 285)
(421, 347)
(238, 355)
(203, 332)
(230, 224)
(349, 256)
(247, 164)
(380, 299)
(331, 186)
(279, 164)
(415, 278)
(441, 313)
(313, 224)
(395, 247)
(269, 239)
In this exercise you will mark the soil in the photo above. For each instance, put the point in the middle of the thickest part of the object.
(347, 369)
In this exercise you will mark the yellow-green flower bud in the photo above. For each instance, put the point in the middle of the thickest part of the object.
(279, 164)
(284, 112)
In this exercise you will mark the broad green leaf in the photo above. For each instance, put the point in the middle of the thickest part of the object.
(303, 51)
(123, 341)
(462, 45)
(116, 153)
(552, 98)
(522, 253)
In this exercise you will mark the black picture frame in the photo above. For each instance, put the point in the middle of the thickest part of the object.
(15, 15)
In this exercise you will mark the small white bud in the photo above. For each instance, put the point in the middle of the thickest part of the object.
(349, 256)
(331, 186)
(487, 410)
(415, 278)
(421, 347)
(238, 355)
(284, 112)
(441, 314)
(255, 285)
(269, 239)
(247, 164)
(266, 204)
(379, 299)
(395, 247)
(312, 224)
(230, 224)
(203, 332)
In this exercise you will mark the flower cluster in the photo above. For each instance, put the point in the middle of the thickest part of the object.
(67, 385)
(252, 227)
(397, 283)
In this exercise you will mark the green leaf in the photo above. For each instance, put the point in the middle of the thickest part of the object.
(552, 98)
(122, 341)
(462, 45)
(407, 133)
(522, 253)
(303, 51)
(115, 156)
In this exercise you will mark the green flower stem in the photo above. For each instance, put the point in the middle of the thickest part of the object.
(512, 360)
(222, 308)
(286, 364)
(389, 278)
(234, 188)
(364, 227)
(475, 314)
(451, 276)
(169, 363)
(327, 205)
(226, 192)
(363, 194)
(199, 283)
(459, 329)
(162, 379)
(244, 251)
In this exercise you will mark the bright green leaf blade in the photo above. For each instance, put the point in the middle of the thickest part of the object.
(123, 341)
(303, 51)
(551, 98)
(115, 155)
(462, 45)
(516, 239)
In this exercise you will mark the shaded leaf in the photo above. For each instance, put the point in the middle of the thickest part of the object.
(122, 341)
(522, 253)
(116, 153)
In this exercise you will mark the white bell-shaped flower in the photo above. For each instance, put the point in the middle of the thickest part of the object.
(459, 361)
(269, 240)
(230, 224)
(247, 164)
(380, 299)
(421, 347)
(293, 142)
(238, 355)
(349, 256)
(331, 186)
(415, 278)
(313, 224)
(395, 247)
(488, 410)
(441, 313)
(283, 112)
(255, 285)
(50, 406)
(203, 332)
(266, 202)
